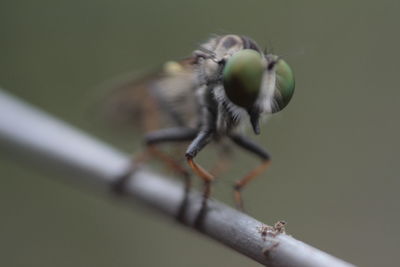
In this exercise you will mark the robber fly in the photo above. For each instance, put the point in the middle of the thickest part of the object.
(227, 82)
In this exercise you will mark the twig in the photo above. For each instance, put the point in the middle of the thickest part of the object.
(55, 144)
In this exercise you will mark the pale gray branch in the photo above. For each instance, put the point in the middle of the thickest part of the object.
(55, 144)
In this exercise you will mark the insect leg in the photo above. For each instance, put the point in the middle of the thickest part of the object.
(201, 140)
(118, 185)
(250, 146)
(178, 134)
(224, 154)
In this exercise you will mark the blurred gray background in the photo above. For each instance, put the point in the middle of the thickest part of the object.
(334, 177)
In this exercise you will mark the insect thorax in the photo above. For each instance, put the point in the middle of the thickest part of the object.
(222, 115)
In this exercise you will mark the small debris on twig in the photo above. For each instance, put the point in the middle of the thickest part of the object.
(264, 230)
(278, 228)
(272, 231)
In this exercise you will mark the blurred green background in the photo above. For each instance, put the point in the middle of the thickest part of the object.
(334, 177)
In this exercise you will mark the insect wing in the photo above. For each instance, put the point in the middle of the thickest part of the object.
(160, 99)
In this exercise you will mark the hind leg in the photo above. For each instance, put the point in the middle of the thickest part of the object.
(152, 139)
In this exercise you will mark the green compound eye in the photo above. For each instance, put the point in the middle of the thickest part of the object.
(284, 84)
(242, 76)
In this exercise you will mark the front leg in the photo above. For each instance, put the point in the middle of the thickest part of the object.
(252, 147)
(201, 140)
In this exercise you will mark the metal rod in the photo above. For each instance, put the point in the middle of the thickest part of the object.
(54, 144)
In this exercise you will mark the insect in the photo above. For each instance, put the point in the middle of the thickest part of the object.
(207, 98)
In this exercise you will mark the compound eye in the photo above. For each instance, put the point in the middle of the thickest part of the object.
(285, 84)
(242, 77)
